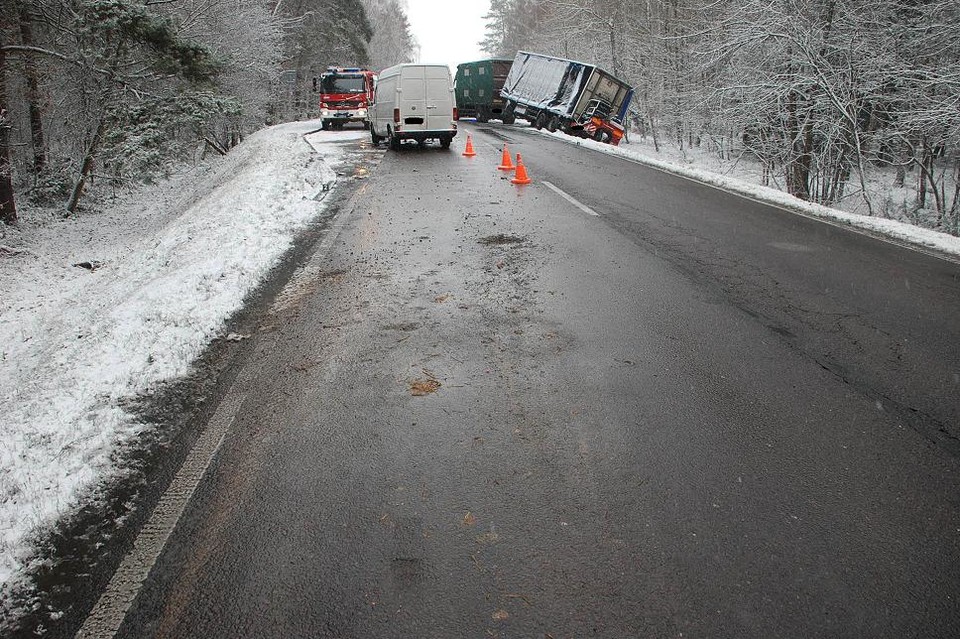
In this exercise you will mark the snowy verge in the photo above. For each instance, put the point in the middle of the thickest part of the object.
(104, 306)
(941, 243)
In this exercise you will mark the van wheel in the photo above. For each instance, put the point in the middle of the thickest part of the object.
(374, 137)
(553, 124)
(394, 143)
(445, 142)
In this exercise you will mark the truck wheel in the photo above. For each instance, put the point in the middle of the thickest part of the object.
(325, 125)
(600, 135)
(482, 117)
(508, 116)
(540, 121)
(553, 124)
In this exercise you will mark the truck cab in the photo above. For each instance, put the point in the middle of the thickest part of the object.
(345, 96)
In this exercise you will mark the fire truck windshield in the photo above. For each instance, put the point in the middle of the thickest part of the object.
(342, 84)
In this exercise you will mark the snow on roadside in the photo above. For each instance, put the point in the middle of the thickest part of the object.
(77, 341)
(908, 233)
(173, 267)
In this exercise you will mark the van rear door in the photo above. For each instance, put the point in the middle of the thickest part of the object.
(439, 98)
(413, 99)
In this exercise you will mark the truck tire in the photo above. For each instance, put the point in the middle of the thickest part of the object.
(325, 125)
(553, 124)
(508, 116)
(482, 117)
(540, 121)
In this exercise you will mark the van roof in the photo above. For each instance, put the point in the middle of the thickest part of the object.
(398, 67)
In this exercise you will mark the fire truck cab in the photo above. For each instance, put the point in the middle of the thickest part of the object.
(345, 95)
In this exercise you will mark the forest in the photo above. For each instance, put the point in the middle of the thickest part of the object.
(837, 100)
(116, 92)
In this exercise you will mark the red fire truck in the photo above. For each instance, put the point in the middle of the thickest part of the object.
(345, 95)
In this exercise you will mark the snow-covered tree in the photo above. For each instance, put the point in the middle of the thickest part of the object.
(392, 42)
(822, 92)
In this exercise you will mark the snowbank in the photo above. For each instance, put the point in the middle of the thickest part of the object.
(159, 277)
(742, 184)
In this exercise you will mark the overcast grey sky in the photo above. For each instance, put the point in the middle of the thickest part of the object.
(449, 31)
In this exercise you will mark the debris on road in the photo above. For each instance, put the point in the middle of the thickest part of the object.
(523, 598)
(91, 265)
(500, 238)
(421, 387)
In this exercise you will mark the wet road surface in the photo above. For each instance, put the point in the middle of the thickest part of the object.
(485, 413)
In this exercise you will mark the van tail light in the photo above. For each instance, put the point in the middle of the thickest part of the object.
(396, 116)
(456, 114)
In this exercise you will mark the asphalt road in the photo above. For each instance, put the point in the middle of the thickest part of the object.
(483, 412)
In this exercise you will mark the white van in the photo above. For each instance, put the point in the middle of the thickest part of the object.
(414, 102)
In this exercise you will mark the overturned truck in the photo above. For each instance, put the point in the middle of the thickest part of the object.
(577, 98)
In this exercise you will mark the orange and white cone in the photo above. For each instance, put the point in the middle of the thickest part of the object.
(521, 177)
(469, 152)
(506, 164)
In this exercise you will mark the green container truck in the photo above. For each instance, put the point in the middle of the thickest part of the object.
(477, 89)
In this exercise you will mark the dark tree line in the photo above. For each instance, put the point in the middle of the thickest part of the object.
(114, 91)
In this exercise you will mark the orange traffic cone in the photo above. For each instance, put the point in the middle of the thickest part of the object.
(521, 176)
(469, 152)
(506, 164)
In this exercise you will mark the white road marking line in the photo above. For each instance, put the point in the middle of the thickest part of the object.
(107, 616)
(748, 194)
(569, 198)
